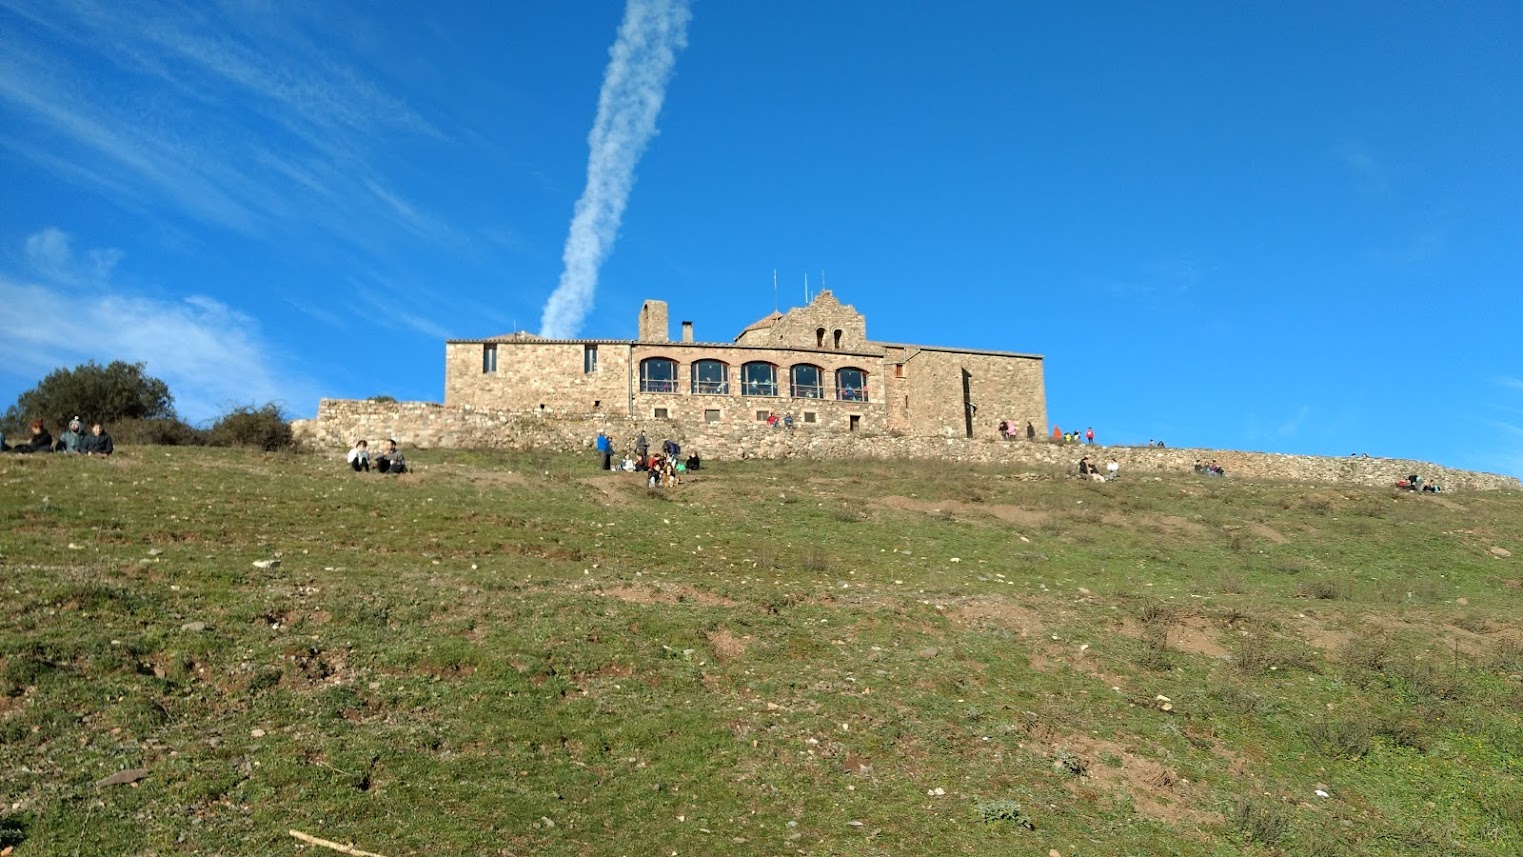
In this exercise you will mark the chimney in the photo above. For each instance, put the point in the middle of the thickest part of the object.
(653, 322)
(687, 331)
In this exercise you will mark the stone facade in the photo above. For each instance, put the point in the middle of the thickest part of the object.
(340, 422)
(814, 362)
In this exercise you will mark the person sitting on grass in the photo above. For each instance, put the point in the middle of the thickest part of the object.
(97, 442)
(359, 457)
(42, 440)
(69, 440)
(392, 460)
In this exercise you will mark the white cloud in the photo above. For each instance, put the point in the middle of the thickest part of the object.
(67, 311)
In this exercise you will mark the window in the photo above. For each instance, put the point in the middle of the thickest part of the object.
(898, 370)
(711, 415)
(589, 359)
(804, 382)
(758, 379)
(819, 337)
(856, 422)
(838, 340)
(851, 385)
(811, 417)
(488, 358)
(761, 416)
(658, 375)
(711, 378)
(661, 414)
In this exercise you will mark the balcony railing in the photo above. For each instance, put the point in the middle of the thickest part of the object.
(808, 391)
(656, 385)
(851, 394)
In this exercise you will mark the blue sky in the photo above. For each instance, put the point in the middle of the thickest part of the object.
(1276, 227)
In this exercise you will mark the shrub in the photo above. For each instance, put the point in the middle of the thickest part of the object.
(1261, 821)
(106, 394)
(263, 428)
(162, 431)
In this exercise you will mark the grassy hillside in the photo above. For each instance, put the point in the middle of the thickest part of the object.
(520, 655)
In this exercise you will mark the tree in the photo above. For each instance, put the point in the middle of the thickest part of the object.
(93, 393)
(264, 428)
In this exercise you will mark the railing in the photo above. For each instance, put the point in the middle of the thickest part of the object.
(760, 388)
(711, 388)
(851, 394)
(808, 391)
(655, 385)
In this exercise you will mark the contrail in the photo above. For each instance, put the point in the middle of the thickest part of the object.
(634, 85)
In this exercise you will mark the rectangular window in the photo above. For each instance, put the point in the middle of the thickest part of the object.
(811, 417)
(898, 370)
(488, 358)
(589, 359)
(856, 422)
(761, 416)
(711, 415)
(661, 413)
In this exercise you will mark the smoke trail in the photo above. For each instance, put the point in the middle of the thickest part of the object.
(639, 65)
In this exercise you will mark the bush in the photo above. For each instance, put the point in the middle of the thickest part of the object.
(265, 428)
(95, 393)
(168, 431)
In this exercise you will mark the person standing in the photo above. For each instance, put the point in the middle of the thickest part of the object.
(1030, 431)
(1089, 435)
(605, 450)
(642, 446)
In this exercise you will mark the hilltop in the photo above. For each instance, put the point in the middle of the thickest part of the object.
(512, 653)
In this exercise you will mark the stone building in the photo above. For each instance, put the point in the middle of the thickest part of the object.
(814, 362)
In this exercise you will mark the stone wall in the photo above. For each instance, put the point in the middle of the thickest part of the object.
(425, 425)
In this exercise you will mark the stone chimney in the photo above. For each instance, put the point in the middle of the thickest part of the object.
(654, 326)
(687, 331)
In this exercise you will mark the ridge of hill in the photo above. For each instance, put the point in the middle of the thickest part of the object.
(513, 653)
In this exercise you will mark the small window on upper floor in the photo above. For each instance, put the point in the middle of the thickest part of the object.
(589, 359)
(838, 339)
(488, 358)
(819, 337)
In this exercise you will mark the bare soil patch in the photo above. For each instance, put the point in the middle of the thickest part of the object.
(665, 594)
(727, 646)
(1017, 515)
(1157, 791)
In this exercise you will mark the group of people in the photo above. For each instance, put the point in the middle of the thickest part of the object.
(1060, 436)
(1091, 470)
(663, 469)
(1416, 483)
(783, 422)
(1008, 430)
(74, 440)
(391, 459)
(1212, 469)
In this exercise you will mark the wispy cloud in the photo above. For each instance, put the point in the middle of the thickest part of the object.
(228, 112)
(1370, 175)
(634, 86)
(210, 355)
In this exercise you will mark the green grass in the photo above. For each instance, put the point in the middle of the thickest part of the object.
(517, 654)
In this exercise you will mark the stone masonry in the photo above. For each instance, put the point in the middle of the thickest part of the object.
(426, 425)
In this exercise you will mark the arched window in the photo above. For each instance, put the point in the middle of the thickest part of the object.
(838, 339)
(819, 337)
(658, 375)
(711, 378)
(805, 382)
(851, 385)
(758, 379)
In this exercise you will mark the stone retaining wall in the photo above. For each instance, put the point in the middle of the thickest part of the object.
(340, 422)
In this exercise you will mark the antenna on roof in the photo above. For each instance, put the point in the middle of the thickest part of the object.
(822, 280)
(774, 290)
(806, 290)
